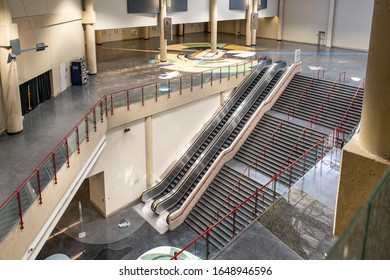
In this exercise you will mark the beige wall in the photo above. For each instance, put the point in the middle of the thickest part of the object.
(3, 124)
(57, 23)
(268, 27)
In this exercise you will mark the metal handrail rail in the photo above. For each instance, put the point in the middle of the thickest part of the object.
(336, 131)
(103, 111)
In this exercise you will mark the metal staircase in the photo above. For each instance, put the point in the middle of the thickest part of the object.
(276, 141)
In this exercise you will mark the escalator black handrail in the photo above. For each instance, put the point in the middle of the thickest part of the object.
(170, 200)
(160, 187)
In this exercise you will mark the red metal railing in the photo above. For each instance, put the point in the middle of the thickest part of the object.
(105, 104)
(233, 145)
(327, 142)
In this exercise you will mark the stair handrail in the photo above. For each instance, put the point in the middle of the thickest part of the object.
(334, 134)
(273, 179)
(315, 116)
(280, 84)
(105, 108)
(278, 128)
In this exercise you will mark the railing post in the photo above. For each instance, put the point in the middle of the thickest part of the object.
(77, 140)
(304, 165)
(128, 100)
(101, 111)
(229, 73)
(201, 80)
(175, 254)
(256, 201)
(192, 82)
(234, 221)
(67, 153)
(105, 97)
(290, 179)
(169, 88)
(220, 74)
(39, 186)
(274, 188)
(236, 70)
(94, 120)
(207, 242)
(54, 168)
(112, 105)
(244, 69)
(181, 86)
(211, 78)
(20, 210)
(86, 129)
(156, 93)
(142, 96)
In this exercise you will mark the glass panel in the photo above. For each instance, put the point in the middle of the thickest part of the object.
(46, 173)
(60, 156)
(186, 81)
(196, 79)
(82, 131)
(119, 99)
(9, 216)
(91, 122)
(175, 85)
(135, 95)
(98, 111)
(27, 196)
(72, 142)
(150, 91)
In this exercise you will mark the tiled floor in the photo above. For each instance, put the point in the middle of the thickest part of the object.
(124, 65)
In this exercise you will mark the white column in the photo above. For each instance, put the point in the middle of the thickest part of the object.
(329, 31)
(280, 24)
(149, 151)
(181, 29)
(146, 33)
(254, 31)
(213, 24)
(89, 19)
(9, 72)
(248, 40)
(237, 30)
(163, 42)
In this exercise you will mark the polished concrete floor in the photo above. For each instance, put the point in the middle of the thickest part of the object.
(125, 65)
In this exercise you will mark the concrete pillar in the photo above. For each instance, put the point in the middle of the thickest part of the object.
(146, 33)
(248, 33)
(213, 24)
(237, 29)
(367, 156)
(149, 151)
(280, 24)
(254, 31)
(329, 31)
(181, 29)
(9, 72)
(163, 42)
(89, 19)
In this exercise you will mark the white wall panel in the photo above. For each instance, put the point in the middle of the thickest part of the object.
(44, 7)
(304, 18)
(271, 11)
(352, 24)
(173, 130)
(124, 166)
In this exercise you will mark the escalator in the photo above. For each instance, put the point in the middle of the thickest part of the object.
(206, 137)
(173, 200)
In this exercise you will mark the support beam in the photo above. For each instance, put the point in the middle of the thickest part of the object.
(146, 33)
(163, 41)
(329, 31)
(280, 23)
(89, 19)
(9, 72)
(367, 156)
(213, 24)
(181, 29)
(248, 33)
(254, 31)
(149, 151)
